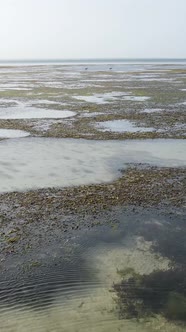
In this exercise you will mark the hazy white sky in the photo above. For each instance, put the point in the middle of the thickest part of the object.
(92, 28)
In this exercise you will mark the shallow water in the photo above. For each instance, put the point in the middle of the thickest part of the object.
(72, 291)
(152, 110)
(110, 97)
(11, 133)
(121, 126)
(33, 113)
(48, 162)
(136, 98)
(92, 114)
(101, 98)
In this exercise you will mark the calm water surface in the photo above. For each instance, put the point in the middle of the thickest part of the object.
(33, 163)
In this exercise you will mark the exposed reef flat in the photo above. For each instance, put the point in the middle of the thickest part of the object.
(149, 187)
(104, 256)
(121, 95)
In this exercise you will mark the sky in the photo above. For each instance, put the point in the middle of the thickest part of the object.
(72, 29)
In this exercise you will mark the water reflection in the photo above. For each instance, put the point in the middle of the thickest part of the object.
(121, 126)
(42, 162)
(11, 133)
(17, 113)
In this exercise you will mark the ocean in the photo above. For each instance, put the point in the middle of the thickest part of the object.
(103, 64)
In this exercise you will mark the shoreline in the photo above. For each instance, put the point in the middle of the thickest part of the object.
(139, 186)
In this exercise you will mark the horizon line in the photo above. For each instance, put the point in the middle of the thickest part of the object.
(82, 59)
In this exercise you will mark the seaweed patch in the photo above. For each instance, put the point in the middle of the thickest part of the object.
(161, 292)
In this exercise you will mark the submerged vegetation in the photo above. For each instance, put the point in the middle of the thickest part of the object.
(139, 186)
(168, 239)
(161, 292)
